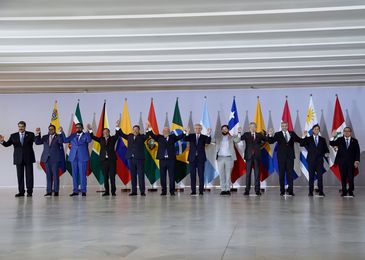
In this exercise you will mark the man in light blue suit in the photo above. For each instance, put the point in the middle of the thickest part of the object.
(51, 156)
(79, 157)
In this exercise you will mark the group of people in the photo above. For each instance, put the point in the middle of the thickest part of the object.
(347, 147)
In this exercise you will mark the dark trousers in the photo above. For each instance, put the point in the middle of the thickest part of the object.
(313, 168)
(167, 165)
(137, 169)
(255, 162)
(194, 165)
(347, 171)
(286, 166)
(109, 174)
(52, 177)
(28, 177)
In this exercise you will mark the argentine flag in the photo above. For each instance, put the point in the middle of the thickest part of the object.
(210, 171)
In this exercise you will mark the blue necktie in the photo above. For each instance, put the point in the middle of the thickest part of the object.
(22, 138)
(316, 140)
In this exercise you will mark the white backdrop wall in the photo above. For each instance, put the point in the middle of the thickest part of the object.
(36, 109)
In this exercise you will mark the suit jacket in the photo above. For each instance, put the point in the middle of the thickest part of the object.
(22, 153)
(107, 147)
(53, 152)
(79, 147)
(253, 146)
(197, 150)
(344, 154)
(231, 140)
(135, 145)
(315, 152)
(285, 149)
(164, 145)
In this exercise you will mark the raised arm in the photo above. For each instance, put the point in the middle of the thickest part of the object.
(6, 143)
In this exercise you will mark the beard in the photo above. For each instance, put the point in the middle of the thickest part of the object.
(79, 131)
(224, 133)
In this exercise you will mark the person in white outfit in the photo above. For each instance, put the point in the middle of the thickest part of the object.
(225, 158)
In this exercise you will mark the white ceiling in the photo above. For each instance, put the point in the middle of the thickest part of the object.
(100, 45)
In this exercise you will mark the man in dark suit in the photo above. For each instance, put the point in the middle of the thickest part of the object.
(254, 141)
(51, 157)
(136, 157)
(79, 157)
(197, 156)
(285, 140)
(107, 156)
(347, 158)
(317, 149)
(166, 155)
(23, 157)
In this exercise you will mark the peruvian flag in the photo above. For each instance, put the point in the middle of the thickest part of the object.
(338, 124)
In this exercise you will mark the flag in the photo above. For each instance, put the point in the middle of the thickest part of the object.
(266, 164)
(239, 166)
(286, 117)
(95, 154)
(297, 148)
(181, 165)
(211, 167)
(338, 124)
(310, 121)
(122, 168)
(152, 165)
(56, 122)
(76, 119)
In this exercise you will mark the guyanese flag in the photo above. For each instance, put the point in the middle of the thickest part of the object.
(94, 158)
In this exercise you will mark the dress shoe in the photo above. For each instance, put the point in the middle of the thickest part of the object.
(132, 194)
(246, 193)
(310, 194)
(321, 194)
(223, 193)
(282, 194)
(48, 194)
(193, 194)
(19, 195)
(343, 194)
(291, 194)
(84, 194)
(143, 194)
(29, 195)
(201, 193)
(105, 194)
(74, 194)
(172, 193)
(56, 194)
(163, 194)
(258, 193)
(351, 194)
(113, 194)
(228, 193)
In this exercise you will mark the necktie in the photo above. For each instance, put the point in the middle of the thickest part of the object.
(78, 137)
(253, 136)
(347, 143)
(197, 139)
(22, 138)
(50, 139)
(166, 154)
(316, 140)
(286, 137)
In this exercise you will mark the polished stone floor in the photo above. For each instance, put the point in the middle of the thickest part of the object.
(182, 227)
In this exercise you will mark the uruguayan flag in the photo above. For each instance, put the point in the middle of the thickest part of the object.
(310, 121)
